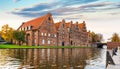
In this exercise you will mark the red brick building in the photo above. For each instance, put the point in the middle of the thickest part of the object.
(111, 45)
(43, 31)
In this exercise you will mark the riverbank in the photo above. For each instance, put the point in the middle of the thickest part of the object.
(116, 59)
(23, 46)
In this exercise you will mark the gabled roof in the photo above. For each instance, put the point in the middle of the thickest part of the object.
(35, 23)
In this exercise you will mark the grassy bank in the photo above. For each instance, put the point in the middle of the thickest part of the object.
(17, 46)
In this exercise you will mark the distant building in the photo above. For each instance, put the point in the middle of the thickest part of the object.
(111, 45)
(43, 31)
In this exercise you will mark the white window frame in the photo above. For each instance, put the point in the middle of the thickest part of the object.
(48, 41)
(54, 35)
(43, 41)
(42, 33)
(29, 27)
(45, 34)
(49, 34)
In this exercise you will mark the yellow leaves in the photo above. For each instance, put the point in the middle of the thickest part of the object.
(7, 32)
(115, 38)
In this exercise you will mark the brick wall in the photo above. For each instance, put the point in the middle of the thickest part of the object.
(111, 45)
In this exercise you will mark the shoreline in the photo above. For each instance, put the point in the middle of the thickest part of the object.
(39, 47)
(115, 58)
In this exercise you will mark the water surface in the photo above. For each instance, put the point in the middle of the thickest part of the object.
(76, 58)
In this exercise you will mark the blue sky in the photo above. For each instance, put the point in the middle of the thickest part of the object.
(101, 16)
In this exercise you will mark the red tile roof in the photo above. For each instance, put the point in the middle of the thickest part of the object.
(81, 25)
(67, 25)
(35, 23)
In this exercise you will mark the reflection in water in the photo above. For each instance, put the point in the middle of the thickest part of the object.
(77, 58)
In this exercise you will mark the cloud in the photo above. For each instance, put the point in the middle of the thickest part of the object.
(16, 1)
(39, 7)
(114, 13)
(63, 8)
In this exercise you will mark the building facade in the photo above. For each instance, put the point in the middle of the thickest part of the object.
(43, 31)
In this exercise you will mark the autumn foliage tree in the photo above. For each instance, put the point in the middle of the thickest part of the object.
(19, 36)
(7, 33)
(96, 37)
(115, 38)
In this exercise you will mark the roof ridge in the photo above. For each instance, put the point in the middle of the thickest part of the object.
(36, 23)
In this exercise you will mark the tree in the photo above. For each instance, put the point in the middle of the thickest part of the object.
(100, 37)
(115, 38)
(19, 36)
(7, 33)
(96, 37)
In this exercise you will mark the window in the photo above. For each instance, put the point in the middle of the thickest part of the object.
(43, 41)
(29, 27)
(45, 34)
(52, 35)
(48, 41)
(55, 35)
(49, 34)
(49, 23)
(49, 18)
(42, 34)
(68, 29)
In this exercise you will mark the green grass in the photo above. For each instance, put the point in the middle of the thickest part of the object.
(17, 46)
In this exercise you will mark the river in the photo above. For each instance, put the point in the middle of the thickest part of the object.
(76, 58)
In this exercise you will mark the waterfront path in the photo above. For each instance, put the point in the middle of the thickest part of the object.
(116, 59)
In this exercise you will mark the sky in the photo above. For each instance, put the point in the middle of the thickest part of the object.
(101, 16)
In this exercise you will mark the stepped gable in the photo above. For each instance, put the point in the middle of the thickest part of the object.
(57, 25)
(68, 25)
(81, 25)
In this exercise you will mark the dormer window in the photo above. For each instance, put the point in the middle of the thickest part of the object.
(49, 18)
